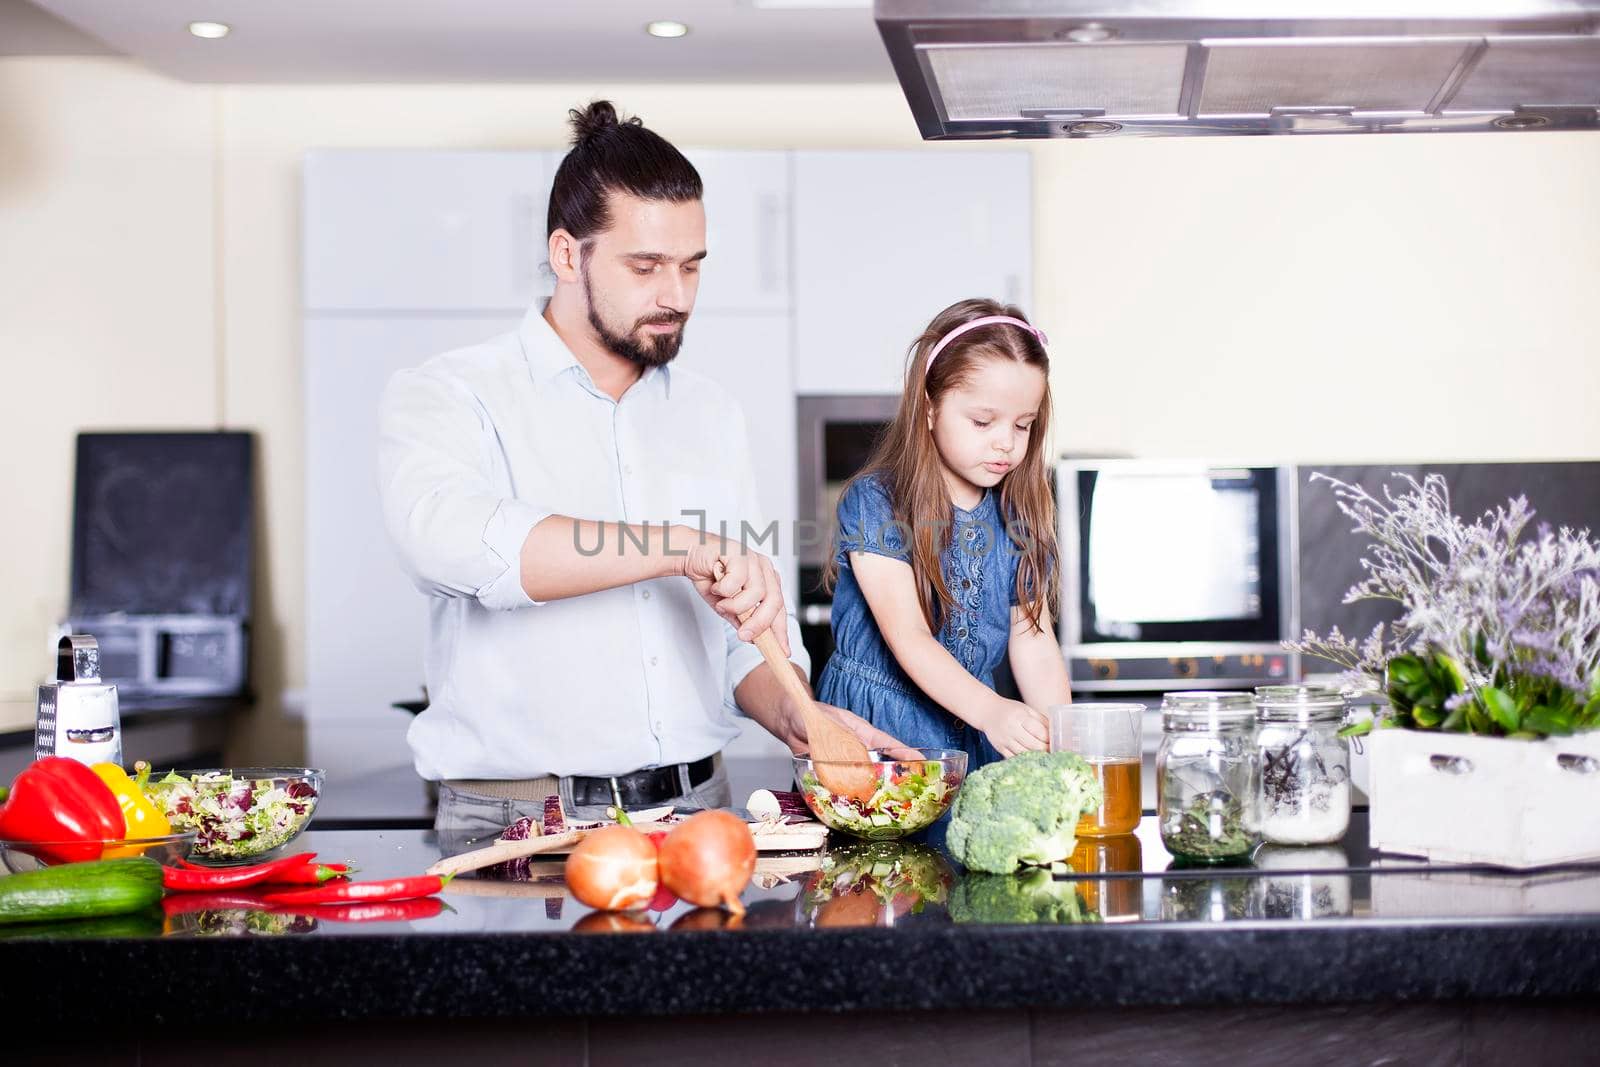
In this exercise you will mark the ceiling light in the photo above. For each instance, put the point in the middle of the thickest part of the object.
(666, 28)
(211, 31)
(1089, 33)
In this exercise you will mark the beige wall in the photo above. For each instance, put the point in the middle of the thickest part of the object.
(1332, 298)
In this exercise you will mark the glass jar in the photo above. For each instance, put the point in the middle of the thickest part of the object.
(1305, 764)
(1206, 778)
(1303, 883)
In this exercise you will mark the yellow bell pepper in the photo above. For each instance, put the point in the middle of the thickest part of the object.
(143, 818)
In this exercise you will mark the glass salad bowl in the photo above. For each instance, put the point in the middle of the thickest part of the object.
(910, 795)
(240, 814)
(19, 857)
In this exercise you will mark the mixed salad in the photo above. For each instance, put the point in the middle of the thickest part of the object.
(909, 797)
(234, 817)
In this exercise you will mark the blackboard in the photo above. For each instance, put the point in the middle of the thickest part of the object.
(1561, 494)
(162, 524)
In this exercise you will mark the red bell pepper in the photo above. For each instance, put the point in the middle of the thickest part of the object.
(63, 802)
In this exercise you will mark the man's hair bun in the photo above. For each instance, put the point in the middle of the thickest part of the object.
(595, 120)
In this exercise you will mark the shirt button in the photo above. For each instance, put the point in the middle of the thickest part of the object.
(966, 583)
(626, 469)
(645, 594)
(654, 661)
(961, 632)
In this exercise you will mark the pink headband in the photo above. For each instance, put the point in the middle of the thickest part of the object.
(986, 320)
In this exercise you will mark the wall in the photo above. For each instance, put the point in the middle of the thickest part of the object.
(1334, 298)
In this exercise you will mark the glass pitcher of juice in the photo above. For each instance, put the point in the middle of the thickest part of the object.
(1107, 736)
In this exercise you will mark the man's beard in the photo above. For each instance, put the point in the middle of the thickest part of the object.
(652, 350)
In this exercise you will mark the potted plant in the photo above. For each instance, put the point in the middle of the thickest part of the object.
(1491, 675)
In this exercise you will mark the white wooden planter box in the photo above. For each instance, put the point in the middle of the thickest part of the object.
(1465, 799)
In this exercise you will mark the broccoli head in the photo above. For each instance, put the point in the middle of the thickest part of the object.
(1031, 896)
(1020, 811)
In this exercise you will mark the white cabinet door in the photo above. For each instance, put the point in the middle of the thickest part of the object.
(886, 240)
(365, 621)
(418, 231)
(749, 356)
(747, 230)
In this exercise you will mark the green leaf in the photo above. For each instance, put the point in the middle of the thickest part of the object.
(1544, 719)
(1407, 671)
(1456, 720)
(1590, 714)
(1427, 715)
(1480, 650)
(1450, 674)
(1358, 729)
(1501, 708)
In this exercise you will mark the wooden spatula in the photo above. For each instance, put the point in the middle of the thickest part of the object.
(829, 742)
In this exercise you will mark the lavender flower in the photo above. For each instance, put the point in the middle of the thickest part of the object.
(1502, 604)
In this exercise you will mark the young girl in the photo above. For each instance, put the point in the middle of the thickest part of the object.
(944, 557)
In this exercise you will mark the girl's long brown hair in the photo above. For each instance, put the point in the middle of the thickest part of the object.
(908, 459)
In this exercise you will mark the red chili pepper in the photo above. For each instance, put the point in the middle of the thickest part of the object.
(60, 800)
(189, 903)
(372, 911)
(203, 879)
(395, 889)
(311, 874)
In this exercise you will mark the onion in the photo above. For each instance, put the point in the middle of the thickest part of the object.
(613, 869)
(708, 859)
(609, 922)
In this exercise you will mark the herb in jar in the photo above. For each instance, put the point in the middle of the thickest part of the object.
(1212, 827)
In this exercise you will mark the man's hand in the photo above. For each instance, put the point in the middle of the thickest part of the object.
(794, 735)
(734, 581)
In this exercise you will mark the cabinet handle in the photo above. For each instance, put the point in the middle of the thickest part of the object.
(771, 219)
(522, 243)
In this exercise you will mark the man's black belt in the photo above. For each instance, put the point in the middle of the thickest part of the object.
(645, 788)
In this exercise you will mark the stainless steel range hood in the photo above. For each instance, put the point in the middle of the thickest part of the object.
(1082, 68)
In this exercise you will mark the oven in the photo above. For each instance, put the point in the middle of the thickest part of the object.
(1177, 575)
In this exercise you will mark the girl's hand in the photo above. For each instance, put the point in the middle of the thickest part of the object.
(1012, 727)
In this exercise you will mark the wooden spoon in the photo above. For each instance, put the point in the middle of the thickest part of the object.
(829, 742)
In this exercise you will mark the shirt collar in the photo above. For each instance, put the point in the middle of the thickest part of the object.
(548, 355)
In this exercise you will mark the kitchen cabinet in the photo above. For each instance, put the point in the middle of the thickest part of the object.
(884, 240)
(396, 230)
(821, 266)
(365, 621)
(747, 231)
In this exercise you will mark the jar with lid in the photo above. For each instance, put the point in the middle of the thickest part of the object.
(1206, 776)
(1305, 764)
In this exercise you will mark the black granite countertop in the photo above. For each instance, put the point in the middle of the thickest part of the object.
(890, 928)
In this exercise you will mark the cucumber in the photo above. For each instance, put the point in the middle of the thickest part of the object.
(80, 891)
(147, 923)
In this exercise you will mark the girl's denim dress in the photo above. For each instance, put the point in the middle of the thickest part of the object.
(980, 569)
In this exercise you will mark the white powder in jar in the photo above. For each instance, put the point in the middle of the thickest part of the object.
(1317, 813)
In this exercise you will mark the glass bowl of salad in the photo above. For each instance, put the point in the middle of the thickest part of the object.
(910, 794)
(169, 850)
(241, 814)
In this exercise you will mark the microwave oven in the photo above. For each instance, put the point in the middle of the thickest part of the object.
(1177, 575)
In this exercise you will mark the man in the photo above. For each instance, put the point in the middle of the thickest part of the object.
(547, 488)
